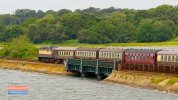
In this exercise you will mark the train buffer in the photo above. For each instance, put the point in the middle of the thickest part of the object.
(83, 66)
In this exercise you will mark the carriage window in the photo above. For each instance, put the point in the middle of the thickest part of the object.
(169, 58)
(119, 55)
(172, 58)
(176, 58)
(165, 58)
(161, 57)
(87, 54)
(130, 57)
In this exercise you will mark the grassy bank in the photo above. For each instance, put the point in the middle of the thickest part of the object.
(75, 43)
(33, 67)
(163, 82)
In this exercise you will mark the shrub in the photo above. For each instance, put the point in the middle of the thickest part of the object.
(20, 48)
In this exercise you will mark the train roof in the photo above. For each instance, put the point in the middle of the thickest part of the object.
(168, 52)
(66, 48)
(149, 51)
(112, 50)
(87, 49)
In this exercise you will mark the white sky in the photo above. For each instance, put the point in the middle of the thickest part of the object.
(9, 6)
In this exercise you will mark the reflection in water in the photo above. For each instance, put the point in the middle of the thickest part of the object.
(56, 87)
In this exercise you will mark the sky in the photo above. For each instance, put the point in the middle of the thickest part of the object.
(9, 6)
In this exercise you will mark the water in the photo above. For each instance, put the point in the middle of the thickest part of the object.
(56, 87)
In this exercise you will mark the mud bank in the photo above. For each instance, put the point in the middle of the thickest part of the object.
(158, 81)
(33, 67)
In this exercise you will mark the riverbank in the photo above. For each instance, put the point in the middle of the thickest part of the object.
(33, 67)
(159, 81)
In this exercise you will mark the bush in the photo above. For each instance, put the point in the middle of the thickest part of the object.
(19, 48)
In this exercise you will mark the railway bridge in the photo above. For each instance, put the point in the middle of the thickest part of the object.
(97, 67)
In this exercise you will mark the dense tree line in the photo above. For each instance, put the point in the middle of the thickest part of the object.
(92, 25)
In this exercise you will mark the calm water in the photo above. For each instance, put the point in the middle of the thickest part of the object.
(56, 87)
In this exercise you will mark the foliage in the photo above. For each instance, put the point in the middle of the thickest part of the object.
(92, 25)
(20, 48)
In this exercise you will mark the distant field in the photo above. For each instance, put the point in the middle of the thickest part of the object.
(75, 43)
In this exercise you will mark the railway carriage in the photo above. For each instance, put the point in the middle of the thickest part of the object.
(62, 53)
(144, 58)
(112, 54)
(167, 61)
(87, 53)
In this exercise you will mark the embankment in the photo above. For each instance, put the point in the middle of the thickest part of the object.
(159, 81)
(33, 67)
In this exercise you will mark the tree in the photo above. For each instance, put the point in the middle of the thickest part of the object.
(162, 12)
(24, 14)
(146, 31)
(71, 24)
(8, 19)
(40, 14)
(62, 12)
(164, 30)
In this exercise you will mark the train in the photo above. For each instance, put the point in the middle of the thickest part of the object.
(155, 60)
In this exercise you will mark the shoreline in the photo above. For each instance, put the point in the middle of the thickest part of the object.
(137, 79)
(145, 80)
(39, 67)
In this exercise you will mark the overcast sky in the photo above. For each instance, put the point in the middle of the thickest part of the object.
(9, 6)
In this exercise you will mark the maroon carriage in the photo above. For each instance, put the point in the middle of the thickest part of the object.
(140, 56)
(140, 59)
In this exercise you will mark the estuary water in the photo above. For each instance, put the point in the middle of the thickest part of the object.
(56, 87)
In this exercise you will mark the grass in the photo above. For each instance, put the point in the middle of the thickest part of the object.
(156, 80)
(172, 81)
(75, 43)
